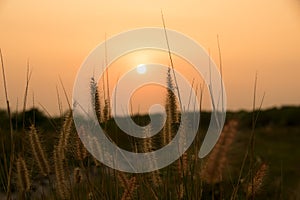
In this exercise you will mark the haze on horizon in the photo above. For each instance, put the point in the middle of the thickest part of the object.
(56, 37)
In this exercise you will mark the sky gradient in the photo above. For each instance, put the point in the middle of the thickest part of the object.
(56, 37)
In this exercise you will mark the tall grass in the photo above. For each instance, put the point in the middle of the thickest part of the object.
(72, 173)
(12, 147)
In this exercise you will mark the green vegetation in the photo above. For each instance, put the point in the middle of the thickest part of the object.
(52, 163)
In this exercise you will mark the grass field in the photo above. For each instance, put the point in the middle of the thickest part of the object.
(51, 162)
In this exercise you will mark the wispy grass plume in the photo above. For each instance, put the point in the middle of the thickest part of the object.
(215, 163)
(255, 186)
(38, 151)
(23, 175)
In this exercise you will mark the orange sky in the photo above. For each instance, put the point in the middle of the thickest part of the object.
(56, 36)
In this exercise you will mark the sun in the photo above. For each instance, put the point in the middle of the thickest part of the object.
(141, 69)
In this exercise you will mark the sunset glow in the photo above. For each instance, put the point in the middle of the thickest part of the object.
(134, 99)
(256, 36)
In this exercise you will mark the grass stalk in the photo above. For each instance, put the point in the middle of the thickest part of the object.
(38, 152)
(171, 61)
(257, 181)
(250, 146)
(28, 77)
(12, 152)
(23, 175)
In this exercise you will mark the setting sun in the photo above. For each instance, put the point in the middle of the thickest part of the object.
(141, 69)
